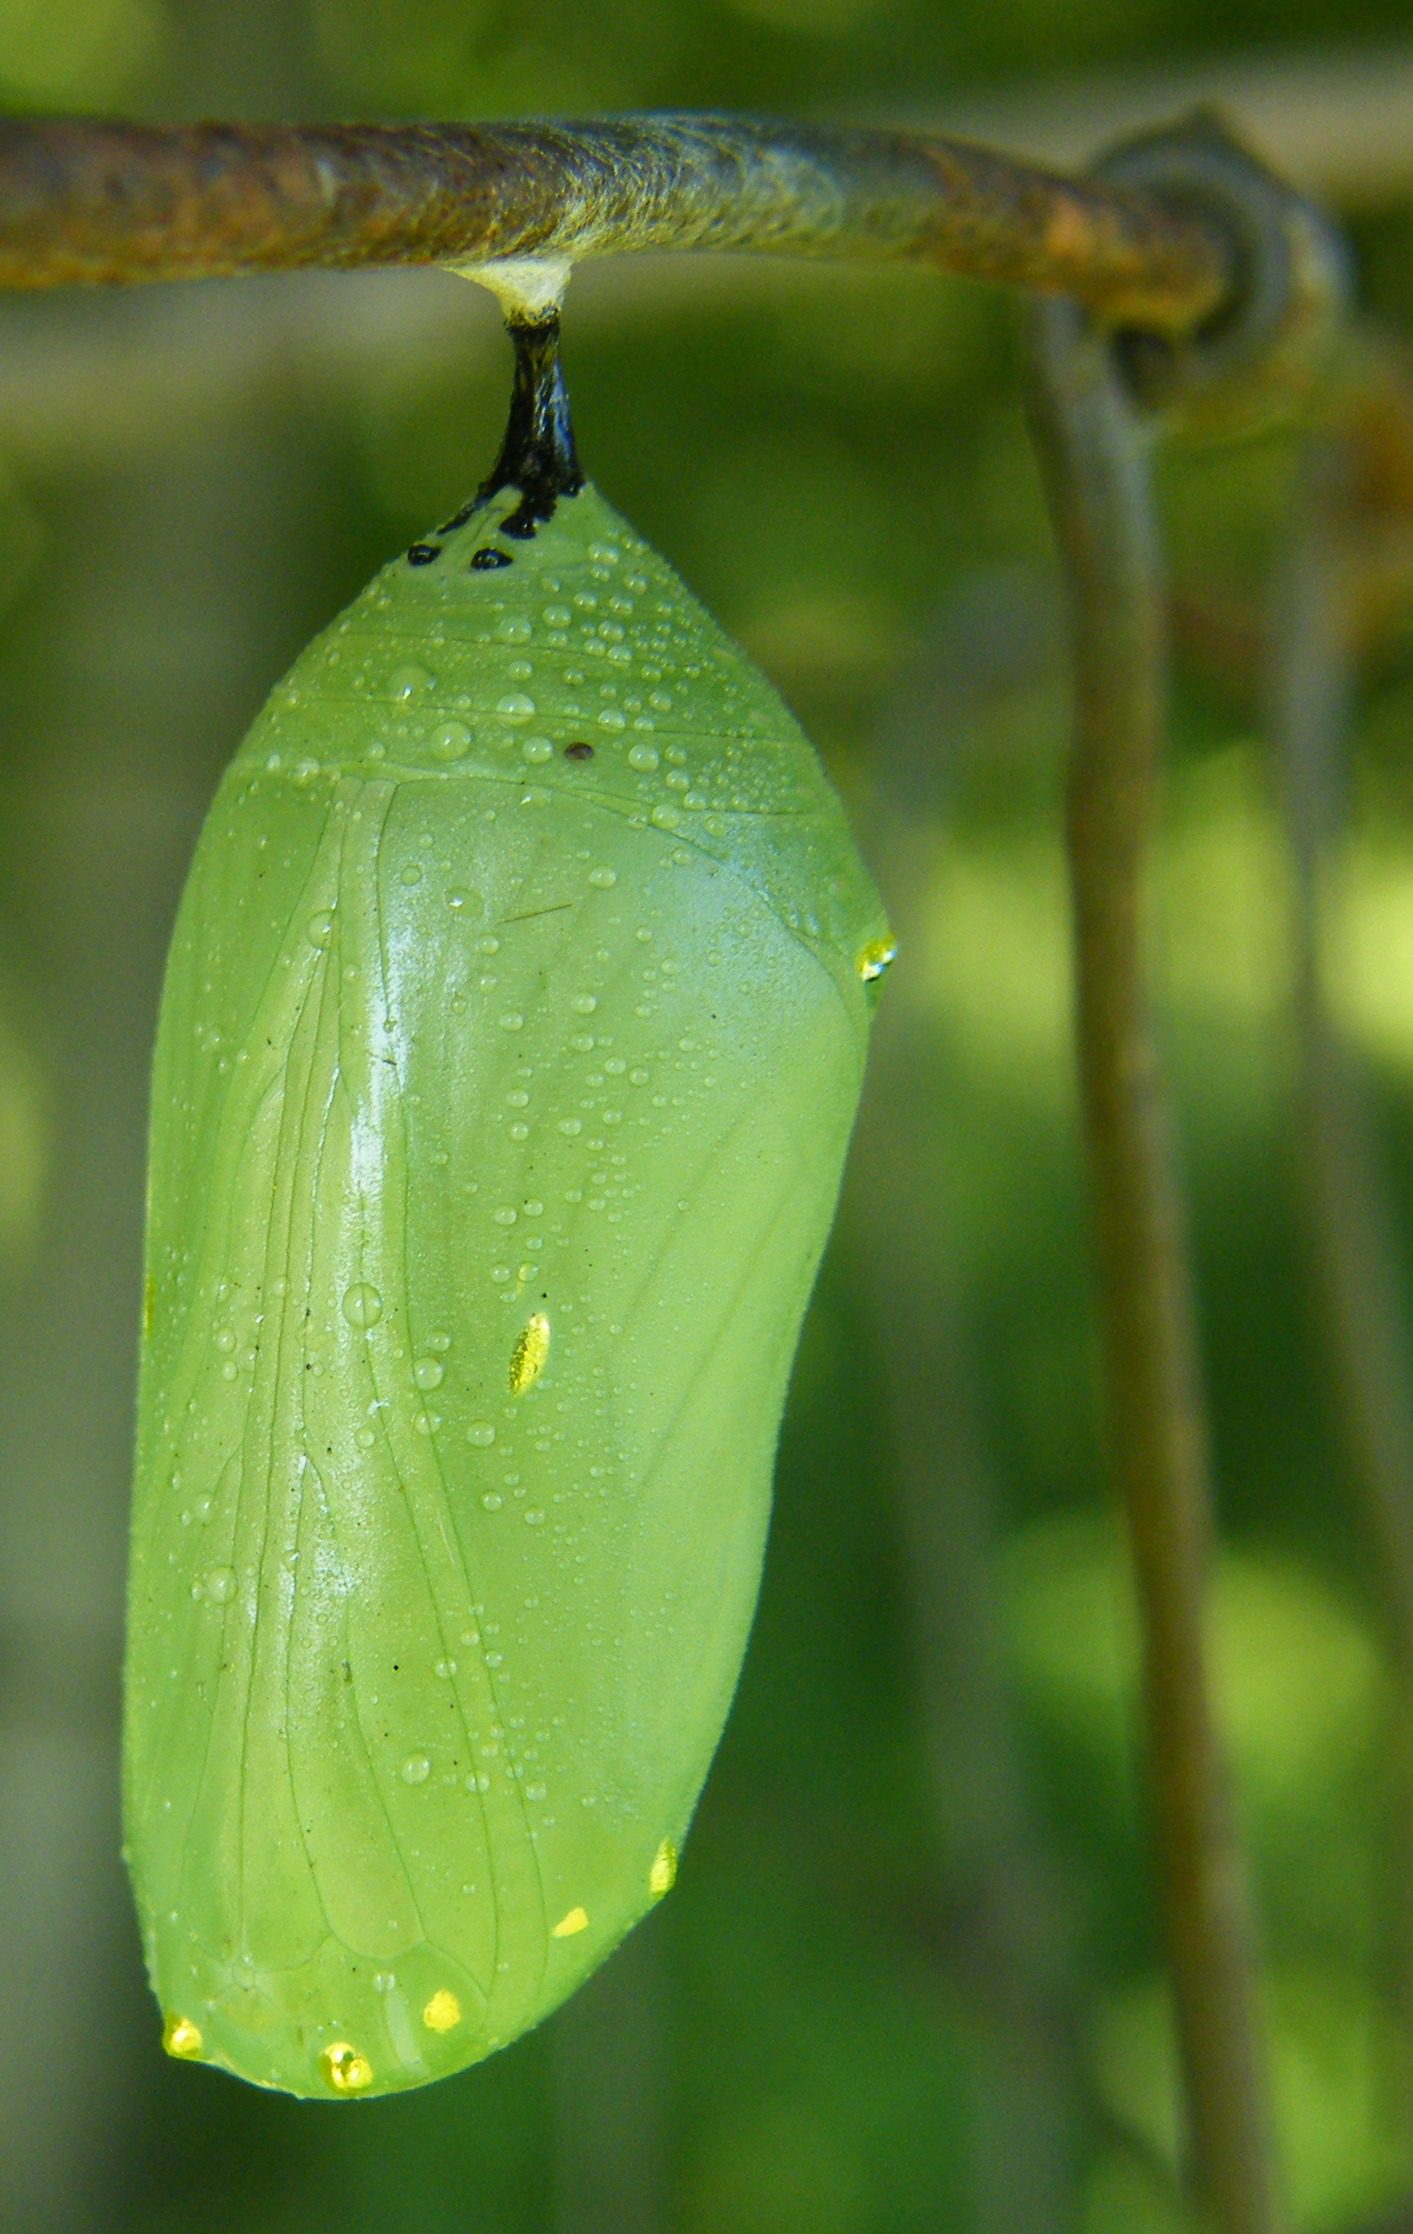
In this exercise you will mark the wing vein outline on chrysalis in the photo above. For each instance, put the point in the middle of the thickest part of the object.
(454, 1549)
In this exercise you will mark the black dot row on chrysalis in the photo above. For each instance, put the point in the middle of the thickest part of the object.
(537, 456)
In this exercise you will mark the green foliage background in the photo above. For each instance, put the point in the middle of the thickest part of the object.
(909, 1979)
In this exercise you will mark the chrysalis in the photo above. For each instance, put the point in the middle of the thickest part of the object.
(510, 1044)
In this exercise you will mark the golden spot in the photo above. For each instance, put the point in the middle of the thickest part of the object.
(180, 2037)
(527, 1359)
(874, 958)
(345, 2069)
(442, 2012)
(663, 1874)
(576, 1920)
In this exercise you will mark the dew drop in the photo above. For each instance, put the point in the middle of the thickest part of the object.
(362, 1305)
(407, 682)
(319, 930)
(221, 1585)
(537, 749)
(644, 757)
(515, 707)
(604, 879)
(480, 1434)
(415, 1769)
(450, 741)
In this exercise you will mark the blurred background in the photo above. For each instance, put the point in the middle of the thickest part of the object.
(910, 1977)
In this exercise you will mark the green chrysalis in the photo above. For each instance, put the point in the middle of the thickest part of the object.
(510, 1044)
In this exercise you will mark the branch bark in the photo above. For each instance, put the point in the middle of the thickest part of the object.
(1101, 504)
(84, 201)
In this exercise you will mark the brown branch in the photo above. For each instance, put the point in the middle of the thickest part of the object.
(1101, 504)
(84, 201)
(1352, 1226)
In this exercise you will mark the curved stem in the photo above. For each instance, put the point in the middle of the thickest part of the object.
(1352, 1225)
(1101, 503)
(83, 201)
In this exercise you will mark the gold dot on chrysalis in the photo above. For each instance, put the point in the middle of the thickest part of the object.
(180, 2037)
(663, 1874)
(576, 1920)
(874, 958)
(527, 1359)
(442, 2011)
(346, 2070)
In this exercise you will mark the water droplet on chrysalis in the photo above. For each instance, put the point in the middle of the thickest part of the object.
(362, 1305)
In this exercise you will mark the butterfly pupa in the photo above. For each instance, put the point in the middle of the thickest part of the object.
(509, 1048)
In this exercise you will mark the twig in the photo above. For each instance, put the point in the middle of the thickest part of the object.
(84, 201)
(1334, 117)
(1102, 509)
(1352, 1228)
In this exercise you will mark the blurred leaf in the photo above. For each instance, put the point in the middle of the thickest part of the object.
(25, 1139)
(77, 53)
(1331, 2049)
